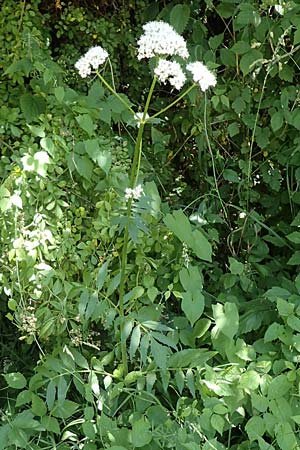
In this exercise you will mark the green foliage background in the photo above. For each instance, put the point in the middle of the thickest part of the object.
(214, 346)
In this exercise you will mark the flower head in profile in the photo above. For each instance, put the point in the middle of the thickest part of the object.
(134, 193)
(160, 38)
(170, 71)
(202, 75)
(93, 58)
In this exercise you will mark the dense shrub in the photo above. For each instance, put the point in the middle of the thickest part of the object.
(210, 317)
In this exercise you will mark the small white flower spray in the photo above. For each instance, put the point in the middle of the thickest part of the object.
(161, 41)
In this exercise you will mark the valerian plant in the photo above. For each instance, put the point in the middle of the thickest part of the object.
(159, 41)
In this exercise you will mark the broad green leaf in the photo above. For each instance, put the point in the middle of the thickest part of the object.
(190, 358)
(117, 447)
(180, 225)
(192, 305)
(215, 41)
(23, 398)
(278, 387)
(32, 106)
(101, 276)
(294, 237)
(226, 318)
(212, 444)
(201, 246)
(240, 47)
(50, 424)
(259, 402)
(38, 406)
(296, 221)
(201, 327)
(59, 93)
(160, 354)
(249, 380)
(285, 436)
(190, 382)
(217, 422)
(101, 157)
(134, 341)
(255, 427)
(250, 60)
(51, 394)
(85, 122)
(277, 120)
(294, 259)
(179, 17)
(15, 380)
(231, 175)
(236, 267)
(180, 380)
(284, 308)
(83, 165)
(273, 332)
(4, 431)
(297, 36)
(65, 409)
(141, 434)
(294, 323)
(4, 199)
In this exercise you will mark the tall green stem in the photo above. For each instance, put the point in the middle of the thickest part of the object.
(135, 169)
(108, 86)
(174, 102)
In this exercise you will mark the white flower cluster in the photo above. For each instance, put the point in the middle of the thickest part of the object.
(160, 38)
(202, 75)
(171, 71)
(93, 58)
(134, 193)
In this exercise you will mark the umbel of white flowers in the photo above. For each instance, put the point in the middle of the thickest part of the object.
(159, 40)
